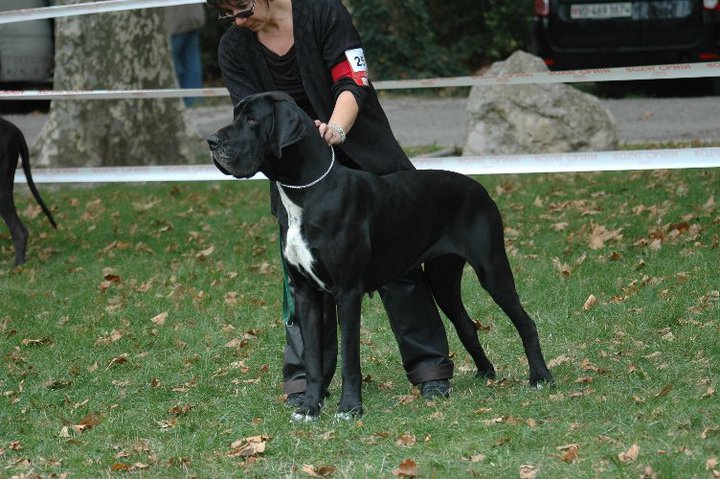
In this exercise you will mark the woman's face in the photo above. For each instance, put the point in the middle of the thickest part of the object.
(245, 13)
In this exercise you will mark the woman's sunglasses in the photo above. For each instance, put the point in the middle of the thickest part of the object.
(230, 17)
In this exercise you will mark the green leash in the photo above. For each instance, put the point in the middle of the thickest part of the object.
(288, 298)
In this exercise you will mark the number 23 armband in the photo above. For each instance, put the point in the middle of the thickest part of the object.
(353, 67)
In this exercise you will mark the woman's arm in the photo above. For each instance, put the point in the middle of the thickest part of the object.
(341, 121)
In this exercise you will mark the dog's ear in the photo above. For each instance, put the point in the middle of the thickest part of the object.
(289, 122)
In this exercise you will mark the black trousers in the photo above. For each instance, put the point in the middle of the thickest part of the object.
(414, 320)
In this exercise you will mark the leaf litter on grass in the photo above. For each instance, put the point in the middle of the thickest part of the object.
(642, 354)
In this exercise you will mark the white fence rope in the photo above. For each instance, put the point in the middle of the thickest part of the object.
(542, 163)
(634, 160)
(650, 72)
(44, 13)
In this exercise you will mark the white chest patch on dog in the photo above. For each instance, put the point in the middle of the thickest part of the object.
(297, 252)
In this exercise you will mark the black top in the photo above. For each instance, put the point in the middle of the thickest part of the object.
(285, 72)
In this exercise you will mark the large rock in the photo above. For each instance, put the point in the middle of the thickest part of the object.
(541, 118)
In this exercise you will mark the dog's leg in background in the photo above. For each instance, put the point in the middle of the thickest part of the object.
(444, 274)
(330, 348)
(18, 231)
(12, 146)
(9, 153)
(349, 315)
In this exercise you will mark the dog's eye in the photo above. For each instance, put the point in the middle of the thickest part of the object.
(251, 121)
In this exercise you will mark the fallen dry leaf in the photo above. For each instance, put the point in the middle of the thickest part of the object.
(709, 206)
(167, 423)
(406, 399)
(249, 446)
(630, 455)
(665, 391)
(406, 439)
(36, 342)
(569, 452)
(160, 319)
(205, 254)
(562, 268)
(322, 471)
(528, 471)
(564, 358)
(116, 361)
(180, 410)
(231, 298)
(119, 467)
(407, 468)
(237, 343)
(590, 302)
(600, 235)
(114, 336)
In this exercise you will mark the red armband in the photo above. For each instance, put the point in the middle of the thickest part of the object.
(353, 67)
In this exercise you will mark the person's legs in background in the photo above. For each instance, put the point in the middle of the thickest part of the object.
(420, 333)
(186, 59)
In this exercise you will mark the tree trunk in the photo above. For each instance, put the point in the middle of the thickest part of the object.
(115, 51)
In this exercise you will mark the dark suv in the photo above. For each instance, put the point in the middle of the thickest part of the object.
(610, 33)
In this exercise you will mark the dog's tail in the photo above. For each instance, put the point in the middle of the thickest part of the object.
(25, 156)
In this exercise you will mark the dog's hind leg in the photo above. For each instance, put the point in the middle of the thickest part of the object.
(18, 231)
(8, 163)
(496, 277)
(444, 274)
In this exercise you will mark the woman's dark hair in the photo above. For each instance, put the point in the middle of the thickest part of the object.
(220, 3)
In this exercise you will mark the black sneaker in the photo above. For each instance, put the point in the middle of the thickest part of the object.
(295, 399)
(437, 388)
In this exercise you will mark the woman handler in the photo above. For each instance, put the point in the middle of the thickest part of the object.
(311, 50)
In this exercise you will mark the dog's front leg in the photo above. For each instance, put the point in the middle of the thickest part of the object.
(309, 302)
(349, 316)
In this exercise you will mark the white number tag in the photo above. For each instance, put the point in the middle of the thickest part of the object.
(356, 58)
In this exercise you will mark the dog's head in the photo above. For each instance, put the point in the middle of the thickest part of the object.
(264, 124)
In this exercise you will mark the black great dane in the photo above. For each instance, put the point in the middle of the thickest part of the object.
(349, 232)
(12, 146)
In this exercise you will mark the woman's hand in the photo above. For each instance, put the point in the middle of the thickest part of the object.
(332, 133)
(341, 121)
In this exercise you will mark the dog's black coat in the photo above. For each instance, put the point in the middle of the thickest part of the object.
(363, 230)
(12, 146)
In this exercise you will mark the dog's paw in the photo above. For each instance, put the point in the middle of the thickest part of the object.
(489, 374)
(302, 418)
(305, 414)
(541, 382)
(349, 413)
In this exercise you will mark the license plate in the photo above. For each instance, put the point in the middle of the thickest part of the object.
(595, 11)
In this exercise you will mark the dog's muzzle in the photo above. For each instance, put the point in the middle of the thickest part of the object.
(214, 143)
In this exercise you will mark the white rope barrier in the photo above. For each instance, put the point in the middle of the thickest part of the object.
(633, 160)
(650, 72)
(44, 13)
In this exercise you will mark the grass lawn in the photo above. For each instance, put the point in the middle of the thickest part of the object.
(143, 339)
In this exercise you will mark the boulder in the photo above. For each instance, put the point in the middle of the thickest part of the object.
(538, 118)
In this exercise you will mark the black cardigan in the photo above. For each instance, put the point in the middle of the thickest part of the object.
(323, 31)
